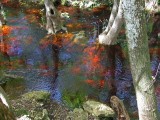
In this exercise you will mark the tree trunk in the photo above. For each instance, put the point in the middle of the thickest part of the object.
(3, 46)
(54, 23)
(139, 58)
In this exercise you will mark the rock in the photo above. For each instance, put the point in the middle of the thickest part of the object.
(77, 114)
(45, 115)
(98, 109)
(39, 96)
(24, 117)
(38, 110)
(36, 115)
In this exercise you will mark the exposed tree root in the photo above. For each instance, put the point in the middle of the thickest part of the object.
(120, 109)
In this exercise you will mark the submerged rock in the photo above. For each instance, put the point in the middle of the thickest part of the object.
(98, 109)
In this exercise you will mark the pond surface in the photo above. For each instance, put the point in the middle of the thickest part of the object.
(82, 65)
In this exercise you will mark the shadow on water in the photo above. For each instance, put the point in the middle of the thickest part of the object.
(55, 50)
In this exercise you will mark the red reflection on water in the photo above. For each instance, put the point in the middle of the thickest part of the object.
(6, 29)
(76, 70)
(92, 61)
(94, 83)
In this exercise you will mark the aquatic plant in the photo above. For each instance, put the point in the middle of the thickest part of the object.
(73, 99)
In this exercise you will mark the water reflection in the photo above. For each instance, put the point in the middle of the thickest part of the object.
(72, 61)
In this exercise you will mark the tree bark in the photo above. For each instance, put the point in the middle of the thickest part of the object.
(54, 23)
(139, 58)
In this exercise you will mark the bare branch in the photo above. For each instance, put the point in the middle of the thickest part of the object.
(3, 97)
(110, 37)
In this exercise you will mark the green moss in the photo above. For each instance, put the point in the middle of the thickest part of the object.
(39, 96)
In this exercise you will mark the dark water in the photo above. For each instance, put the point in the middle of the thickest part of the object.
(77, 63)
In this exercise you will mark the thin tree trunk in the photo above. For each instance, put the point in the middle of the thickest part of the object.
(139, 58)
(3, 45)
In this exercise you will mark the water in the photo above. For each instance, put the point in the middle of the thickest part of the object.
(80, 61)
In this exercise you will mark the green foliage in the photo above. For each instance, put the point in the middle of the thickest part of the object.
(85, 3)
(73, 99)
(21, 112)
(64, 2)
(108, 2)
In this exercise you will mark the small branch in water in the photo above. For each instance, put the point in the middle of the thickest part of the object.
(12, 76)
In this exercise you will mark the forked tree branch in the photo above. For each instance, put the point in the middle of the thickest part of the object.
(112, 16)
(111, 36)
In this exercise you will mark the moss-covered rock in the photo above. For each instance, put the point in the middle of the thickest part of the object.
(77, 114)
(39, 96)
(98, 109)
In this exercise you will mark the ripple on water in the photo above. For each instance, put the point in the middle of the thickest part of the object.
(34, 80)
